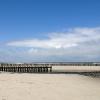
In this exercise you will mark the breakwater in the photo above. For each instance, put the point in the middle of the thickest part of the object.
(51, 67)
(26, 68)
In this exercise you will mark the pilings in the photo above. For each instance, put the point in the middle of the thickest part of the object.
(26, 69)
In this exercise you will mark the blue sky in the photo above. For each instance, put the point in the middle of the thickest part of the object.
(49, 30)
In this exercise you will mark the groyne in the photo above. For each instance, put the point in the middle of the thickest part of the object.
(26, 68)
(51, 68)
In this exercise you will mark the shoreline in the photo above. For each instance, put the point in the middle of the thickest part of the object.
(90, 74)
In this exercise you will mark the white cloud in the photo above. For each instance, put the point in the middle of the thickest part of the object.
(77, 42)
(73, 37)
(50, 43)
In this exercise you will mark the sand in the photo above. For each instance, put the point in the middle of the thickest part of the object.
(48, 87)
(75, 68)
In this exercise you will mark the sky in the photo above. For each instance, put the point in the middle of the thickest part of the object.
(49, 30)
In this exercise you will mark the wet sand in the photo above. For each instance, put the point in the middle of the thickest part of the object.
(48, 87)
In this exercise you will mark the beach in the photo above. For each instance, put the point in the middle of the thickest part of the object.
(48, 87)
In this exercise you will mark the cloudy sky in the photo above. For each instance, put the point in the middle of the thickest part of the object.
(49, 30)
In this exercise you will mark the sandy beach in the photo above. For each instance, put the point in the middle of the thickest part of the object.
(48, 87)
